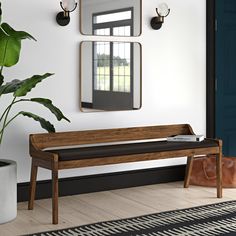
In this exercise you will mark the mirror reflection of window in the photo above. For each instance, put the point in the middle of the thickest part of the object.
(122, 31)
(110, 76)
(102, 65)
(121, 67)
(112, 66)
(112, 73)
(112, 17)
(104, 32)
(113, 23)
(112, 61)
(125, 16)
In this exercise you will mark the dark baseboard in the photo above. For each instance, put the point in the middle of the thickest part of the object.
(103, 182)
(87, 105)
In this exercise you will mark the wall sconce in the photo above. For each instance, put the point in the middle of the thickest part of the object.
(63, 17)
(162, 11)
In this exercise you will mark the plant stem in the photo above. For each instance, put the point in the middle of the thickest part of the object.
(14, 117)
(5, 119)
(21, 100)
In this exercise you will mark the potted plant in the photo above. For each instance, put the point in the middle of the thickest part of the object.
(10, 48)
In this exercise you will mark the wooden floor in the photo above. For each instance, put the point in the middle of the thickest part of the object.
(111, 205)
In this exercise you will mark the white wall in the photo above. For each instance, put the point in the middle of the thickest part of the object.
(173, 76)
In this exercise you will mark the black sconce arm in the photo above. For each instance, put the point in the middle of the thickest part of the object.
(163, 16)
(67, 10)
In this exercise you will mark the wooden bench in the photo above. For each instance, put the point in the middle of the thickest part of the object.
(97, 155)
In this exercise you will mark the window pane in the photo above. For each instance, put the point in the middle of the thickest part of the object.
(121, 84)
(122, 31)
(116, 31)
(121, 52)
(127, 68)
(121, 67)
(124, 15)
(102, 66)
(127, 84)
(115, 83)
(127, 31)
(107, 83)
(105, 31)
(115, 49)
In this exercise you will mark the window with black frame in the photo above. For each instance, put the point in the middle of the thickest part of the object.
(113, 61)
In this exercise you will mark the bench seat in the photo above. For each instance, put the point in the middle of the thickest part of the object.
(81, 153)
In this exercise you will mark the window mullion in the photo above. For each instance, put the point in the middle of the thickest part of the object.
(111, 66)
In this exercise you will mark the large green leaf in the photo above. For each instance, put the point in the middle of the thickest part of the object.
(9, 50)
(22, 87)
(16, 34)
(48, 103)
(10, 87)
(30, 83)
(44, 123)
(10, 44)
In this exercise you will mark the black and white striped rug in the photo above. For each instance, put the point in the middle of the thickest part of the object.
(209, 220)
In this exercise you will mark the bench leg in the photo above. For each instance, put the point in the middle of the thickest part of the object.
(55, 196)
(33, 177)
(188, 171)
(219, 174)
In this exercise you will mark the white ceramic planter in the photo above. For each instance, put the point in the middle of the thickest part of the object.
(8, 194)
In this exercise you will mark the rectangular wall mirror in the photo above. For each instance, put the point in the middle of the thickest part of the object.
(110, 76)
(111, 17)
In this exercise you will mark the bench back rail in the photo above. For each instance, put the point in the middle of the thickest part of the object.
(49, 140)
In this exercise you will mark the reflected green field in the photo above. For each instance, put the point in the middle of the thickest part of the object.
(121, 78)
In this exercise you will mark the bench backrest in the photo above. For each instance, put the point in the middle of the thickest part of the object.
(48, 140)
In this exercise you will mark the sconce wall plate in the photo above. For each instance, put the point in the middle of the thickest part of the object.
(155, 23)
(62, 20)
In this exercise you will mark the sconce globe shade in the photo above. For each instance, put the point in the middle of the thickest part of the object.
(68, 5)
(163, 9)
